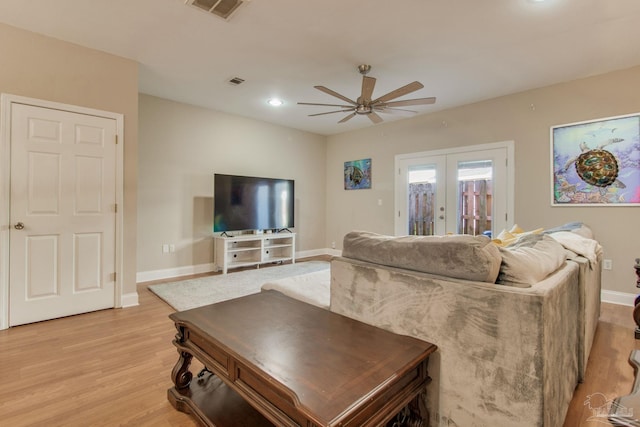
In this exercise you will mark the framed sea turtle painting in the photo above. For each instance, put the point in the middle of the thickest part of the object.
(357, 174)
(596, 163)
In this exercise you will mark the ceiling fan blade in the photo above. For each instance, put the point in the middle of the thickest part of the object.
(329, 112)
(401, 91)
(347, 118)
(336, 94)
(374, 117)
(325, 105)
(392, 110)
(368, 83)
(417, 101)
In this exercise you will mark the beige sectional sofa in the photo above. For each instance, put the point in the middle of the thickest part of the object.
(509, 353)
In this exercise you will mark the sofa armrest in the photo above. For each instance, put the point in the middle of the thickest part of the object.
(590, 288)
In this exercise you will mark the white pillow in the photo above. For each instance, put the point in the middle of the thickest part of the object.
(529, 260)
(574, 242)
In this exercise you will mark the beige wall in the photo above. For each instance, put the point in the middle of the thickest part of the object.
(506, 118)
(182, 146)
(41, 67)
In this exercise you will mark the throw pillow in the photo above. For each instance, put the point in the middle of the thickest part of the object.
(574, 227)
(506, 238)
(529, 260)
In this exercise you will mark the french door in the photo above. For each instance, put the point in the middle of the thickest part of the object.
(462, 191)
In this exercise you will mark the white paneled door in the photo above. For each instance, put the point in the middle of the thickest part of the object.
(62, 233)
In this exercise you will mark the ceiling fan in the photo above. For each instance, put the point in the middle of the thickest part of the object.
(369, 107)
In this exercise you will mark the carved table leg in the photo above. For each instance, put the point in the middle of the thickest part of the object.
(415, 414)
(180, 374)
(180, 395)
(418, 414)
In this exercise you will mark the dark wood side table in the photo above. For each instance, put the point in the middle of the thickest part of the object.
(275, 360)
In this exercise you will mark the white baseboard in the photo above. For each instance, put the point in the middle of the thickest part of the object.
(615, 297)
(170, 273)
(313, 252)
(318, 252)
(334, 252)
(146, 276)
(129, 300)
(612, 297)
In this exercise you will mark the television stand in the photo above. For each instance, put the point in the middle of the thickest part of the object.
(253, 249)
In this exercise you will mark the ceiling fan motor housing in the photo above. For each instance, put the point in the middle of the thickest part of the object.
(364, 69)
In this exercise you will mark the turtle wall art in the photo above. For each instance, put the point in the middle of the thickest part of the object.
(596, 162)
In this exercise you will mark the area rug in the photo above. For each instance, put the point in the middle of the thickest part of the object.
(192, 293)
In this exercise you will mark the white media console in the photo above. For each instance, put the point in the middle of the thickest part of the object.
(253, 249)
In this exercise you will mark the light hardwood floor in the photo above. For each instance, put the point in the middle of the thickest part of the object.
(112, 367)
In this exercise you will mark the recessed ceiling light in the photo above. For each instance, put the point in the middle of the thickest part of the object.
(275, 102)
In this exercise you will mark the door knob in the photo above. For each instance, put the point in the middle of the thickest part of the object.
(19, 226)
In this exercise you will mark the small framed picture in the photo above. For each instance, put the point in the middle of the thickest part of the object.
(357, 174)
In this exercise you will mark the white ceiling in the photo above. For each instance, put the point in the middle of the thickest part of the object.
(463, 51)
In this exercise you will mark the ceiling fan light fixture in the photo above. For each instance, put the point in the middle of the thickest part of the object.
(275, 102)
(362, 109)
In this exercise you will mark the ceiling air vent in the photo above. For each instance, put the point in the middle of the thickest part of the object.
(236, 81)
(222, 8)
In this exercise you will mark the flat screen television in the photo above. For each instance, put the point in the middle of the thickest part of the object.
(252, 203)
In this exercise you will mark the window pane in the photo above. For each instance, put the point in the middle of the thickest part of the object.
(475, 190)
(422, 187)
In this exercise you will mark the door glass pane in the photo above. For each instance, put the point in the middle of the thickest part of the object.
(421, 192)
(475, 197)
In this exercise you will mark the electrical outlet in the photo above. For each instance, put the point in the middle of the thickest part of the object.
(333, 245)
(607, 264)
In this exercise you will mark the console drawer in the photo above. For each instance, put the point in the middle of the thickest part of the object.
(219, 357)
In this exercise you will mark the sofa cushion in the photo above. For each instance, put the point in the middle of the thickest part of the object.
(529, 260)
(459, 256)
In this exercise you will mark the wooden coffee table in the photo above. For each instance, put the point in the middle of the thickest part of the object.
(272, 360)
